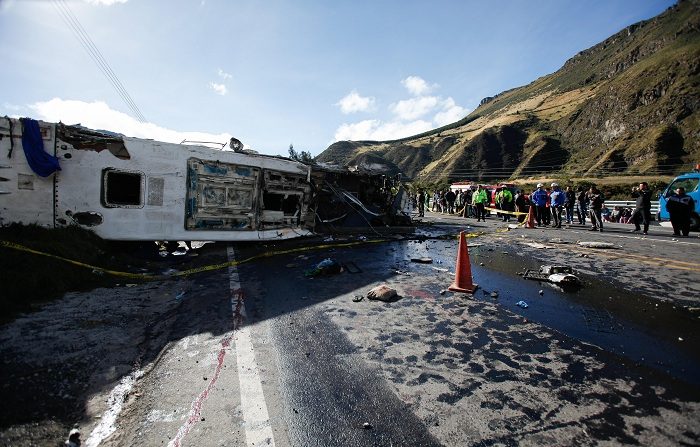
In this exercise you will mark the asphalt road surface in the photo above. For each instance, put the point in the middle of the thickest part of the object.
(264, 353)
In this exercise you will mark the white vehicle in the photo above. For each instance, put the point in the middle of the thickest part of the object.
(136, 189)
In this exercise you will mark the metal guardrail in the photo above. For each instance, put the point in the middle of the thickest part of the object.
(611, 204)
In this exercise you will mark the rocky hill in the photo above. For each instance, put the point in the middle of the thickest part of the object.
(628, 105)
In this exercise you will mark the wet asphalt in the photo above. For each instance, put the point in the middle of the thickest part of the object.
(331, 396)
(332, 386)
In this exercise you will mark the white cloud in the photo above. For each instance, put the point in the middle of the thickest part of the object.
(98, 115)
(417, 86)
(105, 2)
(409, 115)
(413, 108)
(224, 75)
(353, 102)
(450, 113)
(12, 107)
(220, 89)
(378, 130)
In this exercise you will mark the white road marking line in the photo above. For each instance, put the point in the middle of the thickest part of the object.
(256, 420)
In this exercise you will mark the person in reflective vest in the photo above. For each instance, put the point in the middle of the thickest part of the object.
(505, 199)
(479, 199)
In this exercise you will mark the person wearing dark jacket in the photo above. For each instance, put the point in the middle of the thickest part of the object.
(468, 209)
(450, 197)
(679, 206)
(570, 204)
(522, 204)
(596, 200)
(421, 203)
(642, 209)
(557, 201)
(539, 198)
(581, 205)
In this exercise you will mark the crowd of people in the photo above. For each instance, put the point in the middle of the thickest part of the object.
(552, 206)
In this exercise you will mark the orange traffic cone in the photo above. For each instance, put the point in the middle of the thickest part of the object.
(463, 270)
(530, 222)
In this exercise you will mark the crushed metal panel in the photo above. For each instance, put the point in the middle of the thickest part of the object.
(221, 196)
(156, 186)
(358, 200)
(97, 140)
(25, 181)
(284, 199)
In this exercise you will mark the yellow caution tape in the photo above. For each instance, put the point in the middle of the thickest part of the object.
(78, 263)
(207, 268)
(514, 213)
(269, 254)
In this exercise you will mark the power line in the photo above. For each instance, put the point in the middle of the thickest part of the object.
(92, 50)
(89, 46)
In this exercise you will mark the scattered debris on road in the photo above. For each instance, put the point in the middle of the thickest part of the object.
(326, 267)
(382, 293)
(73, 438)
(596, 244)
(561, 275)
(537, 245)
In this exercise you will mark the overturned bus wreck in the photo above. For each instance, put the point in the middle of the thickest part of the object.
(126, 188)
(358, 199)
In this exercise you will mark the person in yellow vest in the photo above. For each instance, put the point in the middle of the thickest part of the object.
(479, 199)
(505, 198)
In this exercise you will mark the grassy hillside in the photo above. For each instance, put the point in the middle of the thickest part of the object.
(628, 105)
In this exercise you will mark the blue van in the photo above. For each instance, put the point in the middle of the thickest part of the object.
(691, 183)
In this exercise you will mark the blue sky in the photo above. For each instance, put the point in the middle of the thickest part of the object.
(276, 72)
